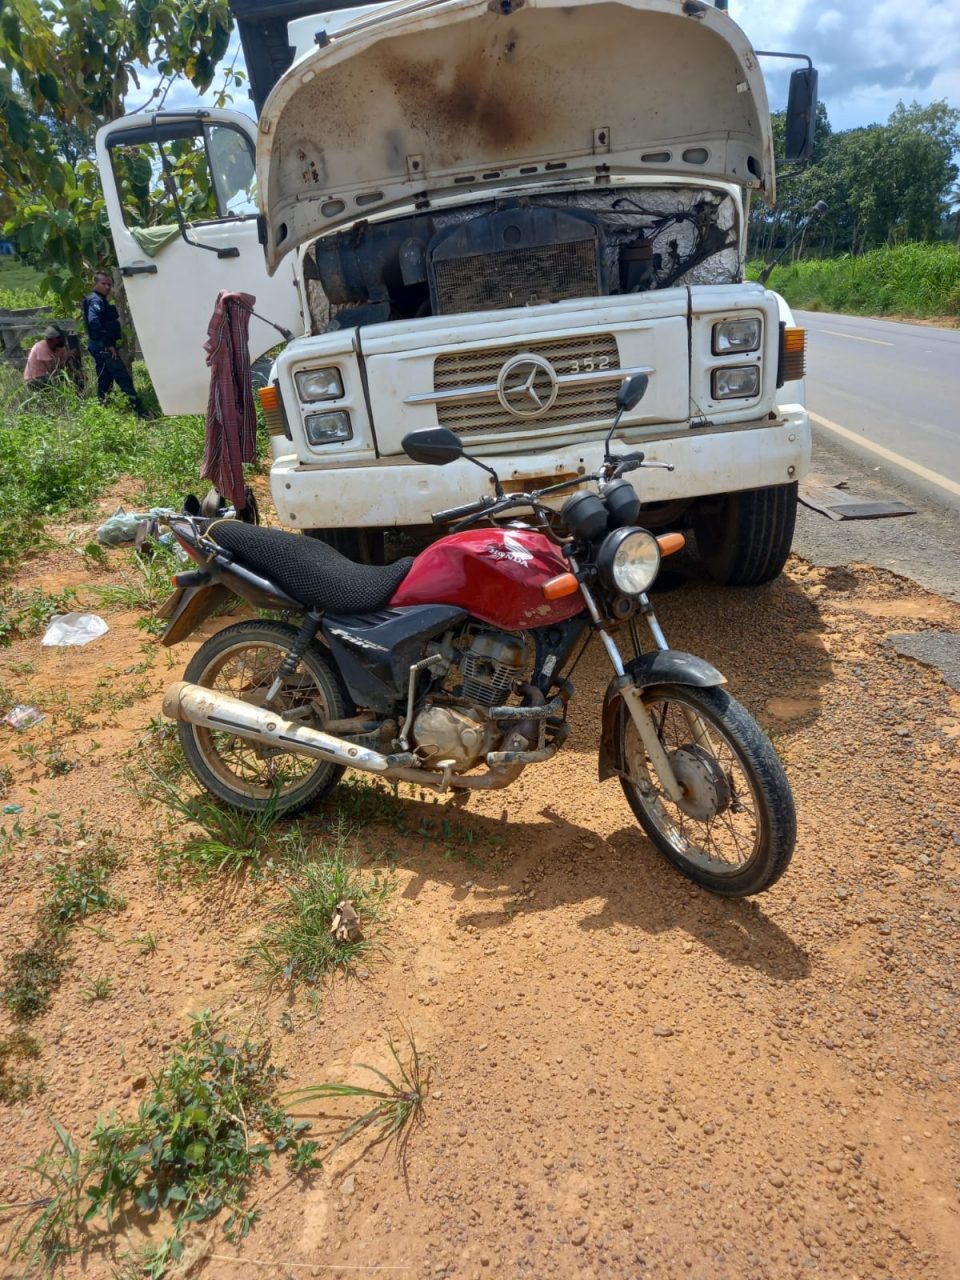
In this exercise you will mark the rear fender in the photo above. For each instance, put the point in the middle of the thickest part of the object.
(188, 607)
(663, 666)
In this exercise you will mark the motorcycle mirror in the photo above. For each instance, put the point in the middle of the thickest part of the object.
(435, 446)
(631, 391)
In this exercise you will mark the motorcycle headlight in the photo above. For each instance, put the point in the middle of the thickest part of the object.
(629, 560)
(319, 384)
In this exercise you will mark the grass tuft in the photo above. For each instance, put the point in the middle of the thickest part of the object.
(16, 1048)
(397, 1104)
(25, 613)
(143, 582)
(212, 1119)
(297, 946)
(229, 840)
(77, 891)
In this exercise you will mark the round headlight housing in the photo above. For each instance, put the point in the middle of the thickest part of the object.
(629, 560)
(585, 515)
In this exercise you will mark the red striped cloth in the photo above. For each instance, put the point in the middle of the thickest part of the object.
(231, 438)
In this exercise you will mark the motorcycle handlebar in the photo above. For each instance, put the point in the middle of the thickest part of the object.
(457, 513)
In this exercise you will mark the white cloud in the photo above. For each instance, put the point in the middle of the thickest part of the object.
(869, 55)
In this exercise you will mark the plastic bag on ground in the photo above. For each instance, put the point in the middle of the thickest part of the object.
(23, 717)
(74, 629)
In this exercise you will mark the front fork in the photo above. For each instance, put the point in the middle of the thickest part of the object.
(633, 696)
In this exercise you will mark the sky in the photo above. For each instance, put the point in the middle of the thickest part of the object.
(869, 53)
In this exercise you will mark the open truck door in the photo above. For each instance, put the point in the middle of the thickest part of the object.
(180, 193)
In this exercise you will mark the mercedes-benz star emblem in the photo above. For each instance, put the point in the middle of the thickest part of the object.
(527, 386)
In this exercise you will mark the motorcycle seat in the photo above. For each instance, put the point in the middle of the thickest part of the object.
(309, 570)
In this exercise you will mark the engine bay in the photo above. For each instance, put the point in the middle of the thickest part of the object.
(522, 251)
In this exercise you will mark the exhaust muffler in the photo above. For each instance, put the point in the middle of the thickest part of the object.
(215, 710)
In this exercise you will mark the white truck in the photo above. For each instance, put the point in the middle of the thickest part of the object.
(484, 214)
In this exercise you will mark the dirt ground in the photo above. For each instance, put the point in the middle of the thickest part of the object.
(630, 1077)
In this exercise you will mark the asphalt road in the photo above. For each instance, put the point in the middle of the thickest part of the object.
(896, 386)
(884, 400)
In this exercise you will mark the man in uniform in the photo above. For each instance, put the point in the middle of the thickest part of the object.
(103, 330)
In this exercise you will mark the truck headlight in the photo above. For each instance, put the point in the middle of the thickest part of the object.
(629, 560)
(319, 384)
(736, 335)
(323, 428)
(740, 382)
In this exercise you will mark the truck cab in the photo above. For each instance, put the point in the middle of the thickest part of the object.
(484, 214)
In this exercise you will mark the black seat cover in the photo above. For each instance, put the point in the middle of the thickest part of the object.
(310, 570)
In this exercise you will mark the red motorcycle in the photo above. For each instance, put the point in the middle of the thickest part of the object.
(452, 669)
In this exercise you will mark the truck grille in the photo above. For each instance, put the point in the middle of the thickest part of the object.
(584, 405)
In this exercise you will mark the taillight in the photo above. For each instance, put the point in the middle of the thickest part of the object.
(793, 354)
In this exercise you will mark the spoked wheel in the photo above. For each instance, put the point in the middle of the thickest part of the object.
(242, 661)
(734, 829)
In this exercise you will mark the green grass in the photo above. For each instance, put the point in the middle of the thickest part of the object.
(143, 582)
(396, 1104)
(228, 840)
(297, 945)
(16, 1084)
(77, 890)
(921, 280)
(58, 452)
(213, 1117)
(26, 612)
(20, 286)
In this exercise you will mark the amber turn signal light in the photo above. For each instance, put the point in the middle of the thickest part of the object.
(671, 542)
(272, 411)
(793, 355)
(563, 585)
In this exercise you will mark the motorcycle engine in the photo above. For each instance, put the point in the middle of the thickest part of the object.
(490, 664)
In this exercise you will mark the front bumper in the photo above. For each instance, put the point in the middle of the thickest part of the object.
(396, 492)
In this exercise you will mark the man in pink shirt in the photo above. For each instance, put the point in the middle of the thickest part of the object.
(47, 359)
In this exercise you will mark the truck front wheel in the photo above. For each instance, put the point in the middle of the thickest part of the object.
(746, 542)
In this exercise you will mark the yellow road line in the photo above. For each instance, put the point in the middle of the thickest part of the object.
(932, 477)
(877, 342)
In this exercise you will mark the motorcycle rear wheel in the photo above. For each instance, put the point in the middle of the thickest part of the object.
(242, 661)
(735, 829)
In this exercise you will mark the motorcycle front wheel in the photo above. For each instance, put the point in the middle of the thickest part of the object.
(242, 661)
(734, 828)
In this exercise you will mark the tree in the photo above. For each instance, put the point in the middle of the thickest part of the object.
(882, 182)
(66, 67)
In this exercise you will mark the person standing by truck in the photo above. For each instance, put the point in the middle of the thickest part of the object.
(103, 330)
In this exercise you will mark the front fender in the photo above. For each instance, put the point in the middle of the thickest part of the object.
(663, 666)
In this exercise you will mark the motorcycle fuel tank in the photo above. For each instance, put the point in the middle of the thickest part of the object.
(497, 574)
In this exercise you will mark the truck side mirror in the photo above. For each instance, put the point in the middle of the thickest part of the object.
(801, 115)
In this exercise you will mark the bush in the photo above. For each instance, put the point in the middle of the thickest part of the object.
(908, 280)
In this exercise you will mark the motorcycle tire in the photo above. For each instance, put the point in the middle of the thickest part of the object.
(243, 659)
(735, 829)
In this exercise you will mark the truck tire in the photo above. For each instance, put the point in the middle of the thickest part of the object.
(362, 546)
(747, 542)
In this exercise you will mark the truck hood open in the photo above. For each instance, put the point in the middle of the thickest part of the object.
(413, 101)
